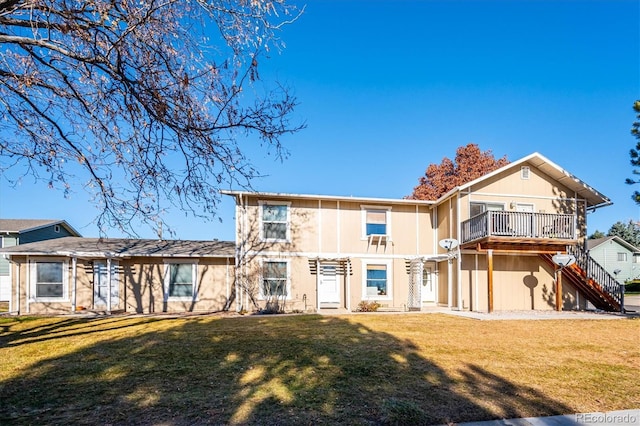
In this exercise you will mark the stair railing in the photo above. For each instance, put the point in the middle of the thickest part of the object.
(597, 273)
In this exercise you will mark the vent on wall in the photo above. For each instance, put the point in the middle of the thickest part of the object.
(525, 171)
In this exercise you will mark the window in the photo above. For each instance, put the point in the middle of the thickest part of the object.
(375, 221)
(275, 222)
(477, 208)
(622, 257)
(49, 280)
(180, 281)
(56, 229)
(376, 275)
(525, 172)
(274, 279)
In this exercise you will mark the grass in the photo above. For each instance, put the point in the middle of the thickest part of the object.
(308, 369)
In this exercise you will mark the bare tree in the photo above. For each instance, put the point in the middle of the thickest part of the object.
(146, 104)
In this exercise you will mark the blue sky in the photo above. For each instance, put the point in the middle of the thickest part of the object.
(388, 87)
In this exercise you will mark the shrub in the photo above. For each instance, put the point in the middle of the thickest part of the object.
(367, 306)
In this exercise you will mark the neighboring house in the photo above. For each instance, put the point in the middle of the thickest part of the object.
(325, 252)
(23, 231)
(617, 257)
(126, 275)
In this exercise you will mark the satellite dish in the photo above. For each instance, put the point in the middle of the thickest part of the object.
(563, 260)
(448, 243)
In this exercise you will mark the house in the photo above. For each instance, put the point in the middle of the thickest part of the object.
(23, 231)
(126, 275)
(617, 257)
(486, 245)
(513, 239)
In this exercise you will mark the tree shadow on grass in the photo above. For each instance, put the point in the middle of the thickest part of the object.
(258, 370)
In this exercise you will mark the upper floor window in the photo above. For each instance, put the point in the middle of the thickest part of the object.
(525, 172)
(477, 208)
(275, 221)
(49, 280)
(622, 257)
(180, 281)
(376, 221)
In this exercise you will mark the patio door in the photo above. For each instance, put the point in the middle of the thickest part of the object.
(328, 288)
(428, 290)
(525, 224)
(101, 283)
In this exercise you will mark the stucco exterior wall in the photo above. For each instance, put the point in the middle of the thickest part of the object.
(140, 284)
(520, 282)
(335, 229)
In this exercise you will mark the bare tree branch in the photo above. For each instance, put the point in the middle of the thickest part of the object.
(146, 104)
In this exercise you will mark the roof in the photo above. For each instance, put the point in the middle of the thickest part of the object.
(123, 247)
(286, 196)
(594, 198)
(20, 226)
(593, 243)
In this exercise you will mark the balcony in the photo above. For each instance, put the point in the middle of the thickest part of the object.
(519, 230)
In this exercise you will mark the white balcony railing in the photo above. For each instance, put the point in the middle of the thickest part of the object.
(519, 225)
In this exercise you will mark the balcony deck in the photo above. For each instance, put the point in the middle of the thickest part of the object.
(519, 231)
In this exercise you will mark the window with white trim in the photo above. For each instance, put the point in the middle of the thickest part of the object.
(49, 280)
(376, 221)
(622, 257)
(274, 221)
(180, 281)
(476, 208)
(377, 280)
(275, 279)
(525, 172)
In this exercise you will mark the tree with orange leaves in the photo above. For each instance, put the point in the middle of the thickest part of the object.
(470, 163)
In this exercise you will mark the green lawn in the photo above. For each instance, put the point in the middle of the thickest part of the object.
(309, 369)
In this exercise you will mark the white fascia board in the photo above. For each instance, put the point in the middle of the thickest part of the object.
(288, 196)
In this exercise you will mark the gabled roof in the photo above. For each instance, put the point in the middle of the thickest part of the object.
(20, 226)
(123, 247)
(286, 196)
(591, 244)
(595, 199)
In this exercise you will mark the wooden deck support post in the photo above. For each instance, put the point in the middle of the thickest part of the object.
(490, 279)
(559, 290)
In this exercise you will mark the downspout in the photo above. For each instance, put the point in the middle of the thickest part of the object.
(226, 277)
(459, 256)
(349, 284)
(18, 288)
(317, 285)
(449, 268)
(28, 286)
(239, 227)
(74, 284)
(477, 301)
(8, 257)
(108, 286)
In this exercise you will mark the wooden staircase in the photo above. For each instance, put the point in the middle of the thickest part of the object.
(592, 281)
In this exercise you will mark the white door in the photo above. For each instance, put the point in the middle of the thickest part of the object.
(428, 290)
(101, 283)
(525, 225)
(328, 288)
